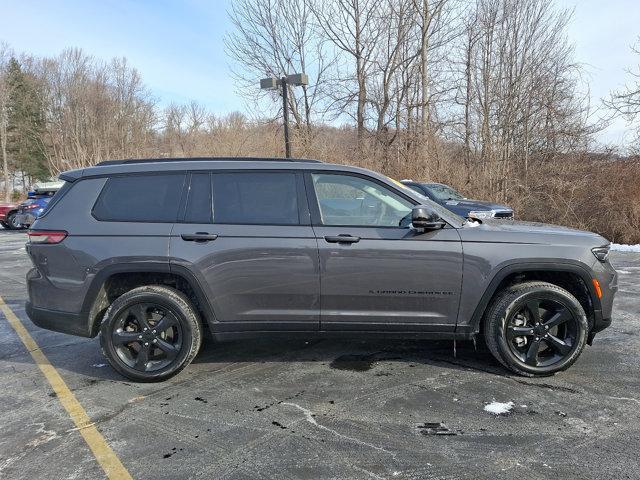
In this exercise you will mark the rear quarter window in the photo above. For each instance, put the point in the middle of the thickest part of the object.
(56, 197)
(140, 198)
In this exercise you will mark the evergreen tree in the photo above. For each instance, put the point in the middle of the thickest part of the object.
(25, 126)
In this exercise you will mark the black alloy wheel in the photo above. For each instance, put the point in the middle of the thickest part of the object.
(542, 333)
(536, 328)
(150, 333)
(147, 337)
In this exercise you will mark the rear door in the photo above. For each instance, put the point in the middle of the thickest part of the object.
(377, 273)
(247, 236)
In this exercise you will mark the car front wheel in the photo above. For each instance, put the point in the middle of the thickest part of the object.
(150, 333)
(536, 328)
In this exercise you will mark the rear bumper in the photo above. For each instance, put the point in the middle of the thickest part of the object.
(63, 322)
(25, 218)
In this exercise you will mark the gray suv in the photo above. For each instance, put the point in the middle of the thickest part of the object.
(148, 252)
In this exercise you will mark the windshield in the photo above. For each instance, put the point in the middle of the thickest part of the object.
(442, 192)
(439, 209)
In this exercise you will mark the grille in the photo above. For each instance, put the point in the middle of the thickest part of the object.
(504, 215)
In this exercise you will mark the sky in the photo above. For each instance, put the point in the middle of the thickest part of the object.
(177, 46)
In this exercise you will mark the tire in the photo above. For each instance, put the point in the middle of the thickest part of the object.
(5, 225)
(531, 344)
(11, 222)
(134, 341)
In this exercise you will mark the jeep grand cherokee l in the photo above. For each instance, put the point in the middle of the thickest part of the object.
(146, 252)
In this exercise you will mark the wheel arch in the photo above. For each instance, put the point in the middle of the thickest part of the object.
(573, 277)
(114, 280)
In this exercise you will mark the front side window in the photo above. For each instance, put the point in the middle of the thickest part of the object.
(347, 200)
(255, 198)
(140, 198)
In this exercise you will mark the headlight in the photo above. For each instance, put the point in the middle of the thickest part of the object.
(601, 253)
(482, 214)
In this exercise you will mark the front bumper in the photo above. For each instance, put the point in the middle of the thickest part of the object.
(608, 279)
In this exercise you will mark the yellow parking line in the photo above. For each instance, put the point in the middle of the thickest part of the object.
(105, 456)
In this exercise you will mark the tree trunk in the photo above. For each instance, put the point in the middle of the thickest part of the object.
(5, 162)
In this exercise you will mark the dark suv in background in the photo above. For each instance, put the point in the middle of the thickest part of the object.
(459, 204)
(146, 252)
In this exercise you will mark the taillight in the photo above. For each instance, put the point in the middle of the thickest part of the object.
(46, 236)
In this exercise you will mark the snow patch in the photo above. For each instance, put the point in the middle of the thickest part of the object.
(618, 247)
(498, 408)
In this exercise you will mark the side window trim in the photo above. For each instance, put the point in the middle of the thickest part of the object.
(316, 217)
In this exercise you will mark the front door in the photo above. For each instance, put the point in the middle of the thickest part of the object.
(254, 252)
(377, 273)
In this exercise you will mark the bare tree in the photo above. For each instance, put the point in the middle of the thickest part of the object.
(274, 38)
(353, 27)
(626, 102)
(5, 54)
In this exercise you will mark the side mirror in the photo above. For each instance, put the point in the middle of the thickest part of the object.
(425, 218)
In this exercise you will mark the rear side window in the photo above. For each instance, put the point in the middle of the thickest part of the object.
(255, 198)
(199, 199)
(140, 198)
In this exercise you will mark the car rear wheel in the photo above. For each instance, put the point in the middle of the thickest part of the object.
(12, 223)
(536, 329)
(150, 333)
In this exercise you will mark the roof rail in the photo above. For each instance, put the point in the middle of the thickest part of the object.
(206, 159)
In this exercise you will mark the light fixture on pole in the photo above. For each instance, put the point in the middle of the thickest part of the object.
(272, 83)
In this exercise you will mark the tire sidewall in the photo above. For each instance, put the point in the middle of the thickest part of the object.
(126, 301)
(543, 293)
(11, 222)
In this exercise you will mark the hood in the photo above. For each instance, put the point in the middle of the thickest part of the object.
(529, 233)
(471, 205)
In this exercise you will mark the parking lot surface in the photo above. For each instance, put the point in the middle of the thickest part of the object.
(324, 409)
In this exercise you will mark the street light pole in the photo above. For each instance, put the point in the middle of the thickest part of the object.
(296, 79)
(285, 115)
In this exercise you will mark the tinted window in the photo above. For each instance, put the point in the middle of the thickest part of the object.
(57, 196)
(140, 198)
(355, 201)
(255, 198)
(199, 199)
(442, 192)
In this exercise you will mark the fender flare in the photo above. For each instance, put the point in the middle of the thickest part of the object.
(563, 265)
(146, 266)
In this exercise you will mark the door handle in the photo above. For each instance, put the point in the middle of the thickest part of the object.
(342, 238)
(198, 237)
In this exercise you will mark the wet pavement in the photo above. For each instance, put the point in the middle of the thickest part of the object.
(335, 409)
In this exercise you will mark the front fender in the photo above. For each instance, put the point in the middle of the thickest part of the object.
(473, 307)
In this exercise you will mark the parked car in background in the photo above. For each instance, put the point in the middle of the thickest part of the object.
(36, 203)
(457, 203)
(8, 213)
